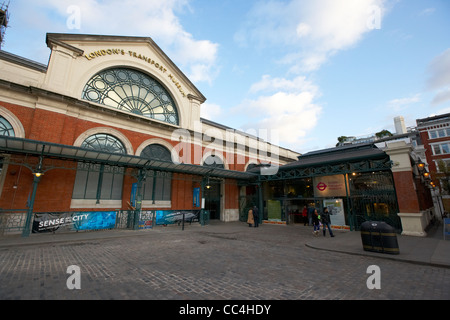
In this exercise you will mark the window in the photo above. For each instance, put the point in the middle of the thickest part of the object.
(99, 181)
(132, 91)
(439, 133)
(440, 148)
(157, 185)
(157, 152)
(6, 128)
(104, 142)
(214, 162)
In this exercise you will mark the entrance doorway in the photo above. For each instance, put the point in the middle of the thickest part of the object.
(213, 199)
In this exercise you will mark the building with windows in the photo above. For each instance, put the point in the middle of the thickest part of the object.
(111, 123)
(435, 135)
(110, 129)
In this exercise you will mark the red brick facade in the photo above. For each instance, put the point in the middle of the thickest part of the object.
(56, 186)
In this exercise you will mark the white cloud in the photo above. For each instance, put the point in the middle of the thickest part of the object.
(442, 96)
(276, 84)
(211, 111)
(303, 29)
(427, 12)
(439, 80)
(310, 32)
(315, 30)
(156, 19)
(439, 71)
(403, 103)
(287, 110)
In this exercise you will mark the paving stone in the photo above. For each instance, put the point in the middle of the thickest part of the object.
(210, 263)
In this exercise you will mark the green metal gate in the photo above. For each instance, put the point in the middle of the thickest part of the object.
(373, 198)
(125, 219)
(245, 204)
(375, 208)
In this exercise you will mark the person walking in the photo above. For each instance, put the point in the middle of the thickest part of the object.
(256, 216)
(305, 215)
(326, 222)
(250, 219)
(316, 222)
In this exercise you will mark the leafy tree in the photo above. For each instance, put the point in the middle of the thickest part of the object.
(443, 175)
(383, 133)
(341, 139)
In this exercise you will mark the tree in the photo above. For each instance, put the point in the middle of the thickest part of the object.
(443, 175)
(341, 140)
(383, 133)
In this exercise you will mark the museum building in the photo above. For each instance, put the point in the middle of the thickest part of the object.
(110, 131)
(111, 123)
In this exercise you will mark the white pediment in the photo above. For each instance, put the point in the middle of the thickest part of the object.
(76, 58)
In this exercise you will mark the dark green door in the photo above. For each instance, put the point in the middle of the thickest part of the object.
(212, 199)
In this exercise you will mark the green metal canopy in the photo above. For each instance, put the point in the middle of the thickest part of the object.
(339, 160)
(20, 146)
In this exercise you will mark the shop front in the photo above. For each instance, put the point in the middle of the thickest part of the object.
(355, 184)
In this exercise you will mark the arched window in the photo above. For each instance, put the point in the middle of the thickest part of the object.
(104, 142)
(132, 91)
(157, 152)
(99, 181)
(214, 162)
(157, 185)
(6, 128)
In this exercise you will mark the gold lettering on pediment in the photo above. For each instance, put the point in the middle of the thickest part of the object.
(109, 52)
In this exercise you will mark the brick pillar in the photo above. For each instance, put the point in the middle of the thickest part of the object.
(413, 220)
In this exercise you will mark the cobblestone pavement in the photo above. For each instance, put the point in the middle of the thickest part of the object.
(223, 261)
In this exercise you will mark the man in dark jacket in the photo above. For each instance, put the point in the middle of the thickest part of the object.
(256, 216)
(326, 221)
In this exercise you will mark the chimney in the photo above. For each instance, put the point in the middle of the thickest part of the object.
(400, 127)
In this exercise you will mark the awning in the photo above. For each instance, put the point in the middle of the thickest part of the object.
(20, 146)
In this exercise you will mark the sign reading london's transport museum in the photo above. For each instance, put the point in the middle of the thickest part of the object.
(73, 221)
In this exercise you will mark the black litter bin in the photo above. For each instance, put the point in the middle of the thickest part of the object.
(378, 236)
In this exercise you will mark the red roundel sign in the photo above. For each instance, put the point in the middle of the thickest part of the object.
(321, 186)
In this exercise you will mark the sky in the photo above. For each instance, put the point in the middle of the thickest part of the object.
(298, 73)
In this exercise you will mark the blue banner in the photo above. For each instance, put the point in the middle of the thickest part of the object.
(175, 216)
(133, 194)
(73, 221)
(196, 197)
(96, 220)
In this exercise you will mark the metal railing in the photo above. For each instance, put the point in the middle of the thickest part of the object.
(12, 221)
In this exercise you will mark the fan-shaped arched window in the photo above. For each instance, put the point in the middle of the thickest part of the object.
(6, 128)
(104, 142)
(99, 181)
(133, 91)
